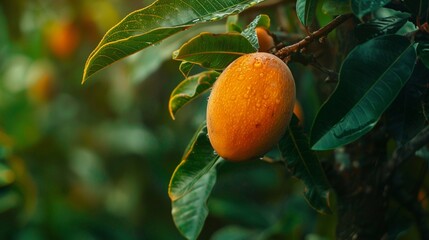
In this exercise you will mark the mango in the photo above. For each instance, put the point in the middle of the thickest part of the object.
(250, 106)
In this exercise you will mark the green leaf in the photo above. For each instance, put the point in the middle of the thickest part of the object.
(304, 164)
(231, 24)
(423, 52)
(417, 7)
(406, 115)
(309, 98)
(190, 211)
(214, 51)
(234, 28)
(198, 159)
(370, 79)
(336, 7)
(191, 185)
(144, 63)
(185, 68)
(148, 26)
(362, 7)
(306, 10)
(377, 27)
(189, 89)
(250, 33)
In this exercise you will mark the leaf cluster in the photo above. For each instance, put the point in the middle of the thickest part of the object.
(376, 79)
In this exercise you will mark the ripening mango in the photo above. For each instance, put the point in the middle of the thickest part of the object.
(63, 38)
(250, 106)
(265, 40)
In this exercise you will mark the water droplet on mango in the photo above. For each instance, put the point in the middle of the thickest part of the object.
(258, 63)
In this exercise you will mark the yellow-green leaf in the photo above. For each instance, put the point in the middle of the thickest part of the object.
(214, 51)
(191, 184)
(189, 89)
(148, 26)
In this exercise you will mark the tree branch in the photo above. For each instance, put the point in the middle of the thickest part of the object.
(406, 151)
(316, 35)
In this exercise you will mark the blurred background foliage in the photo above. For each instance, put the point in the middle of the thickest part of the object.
(93, 161)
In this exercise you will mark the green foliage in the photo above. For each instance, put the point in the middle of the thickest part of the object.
(189, 89)
(94, 161)
(382, 26)
(377, 78)
(406, 116)
(148, 26)
(363, 7)
(304, 164)
(417, 7)
(423, 52)
(214, 51)
(249, 32)
(370, 78)
(306, 10)
(190, 211)
(336, 7)
(231, 24)
(185, 68)
(191, 184)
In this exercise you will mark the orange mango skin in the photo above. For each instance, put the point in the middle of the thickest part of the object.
(250, 106)
(266, 42)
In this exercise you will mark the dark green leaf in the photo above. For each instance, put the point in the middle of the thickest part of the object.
(406, 117)
(214, 51)
(148, 26)
(198, 159)
(185, 68)
(304, 165)
(189, 89)
(336, 7)
(250, 33)
(191, 185)
(370, 79)
(306, 10)
(362, 7)
(309, 98)
(190, 211)
(377, 27)
(417, 7)
(423, 52)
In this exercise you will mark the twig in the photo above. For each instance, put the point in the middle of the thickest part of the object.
(288, 37)
(332, 75)
(406, 151)
(307, 59)
(316, 35)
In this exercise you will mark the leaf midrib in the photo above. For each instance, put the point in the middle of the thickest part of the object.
(210, 53)
(303, 160)
(367, 92)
